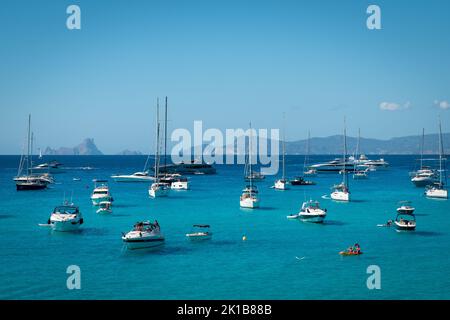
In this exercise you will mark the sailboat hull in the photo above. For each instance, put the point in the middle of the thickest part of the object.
(340, 196)
(249, 203)
(30, 186)
(437, 193)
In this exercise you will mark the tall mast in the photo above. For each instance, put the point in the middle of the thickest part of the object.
(31, 152)
(284, 142)
(345, 154)
(307, 151)
(250, 157)
(441, 151)
(157, 141)
(421, 148)
(165, 134)
(29, 142)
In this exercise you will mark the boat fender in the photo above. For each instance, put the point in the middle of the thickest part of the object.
(48, 221)
(140, 234)
(81, 221)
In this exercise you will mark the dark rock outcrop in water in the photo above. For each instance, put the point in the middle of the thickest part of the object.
(86, 148)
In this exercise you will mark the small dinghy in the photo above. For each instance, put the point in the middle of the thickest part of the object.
(200, 232)
(405, 207)
(105, 207)
(405, 222)
(145, 234)
(354, 250)
(300, 181)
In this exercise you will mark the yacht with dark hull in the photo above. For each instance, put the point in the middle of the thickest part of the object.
(188, 168)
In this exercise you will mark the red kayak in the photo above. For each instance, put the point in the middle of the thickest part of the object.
(347, 253)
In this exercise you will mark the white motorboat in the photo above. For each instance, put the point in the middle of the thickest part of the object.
(424, 177)
(438, 190)
(310, 172)
(65, 218)
(144, 235)
(405, 207)
(181, 183)
(101, 192)
(53, 167)
(311, 212)
(405, 222)
(105, 207)
(200, 232)
(135, 177)
(341, 191)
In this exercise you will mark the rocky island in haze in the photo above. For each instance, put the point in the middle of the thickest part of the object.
(85, 148)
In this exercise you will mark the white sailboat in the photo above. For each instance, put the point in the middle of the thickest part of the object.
(282, 184)
(158, 188)
(249, 198)
(341, 191)
(28, 180)
(438, 190)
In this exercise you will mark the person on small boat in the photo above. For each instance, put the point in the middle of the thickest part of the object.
(355, 249)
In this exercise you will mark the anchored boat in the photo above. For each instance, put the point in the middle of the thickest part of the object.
(101, 192)
(200, 232)
(65, 218)
(144, 234)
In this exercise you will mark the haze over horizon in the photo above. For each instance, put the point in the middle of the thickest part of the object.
(223, 62)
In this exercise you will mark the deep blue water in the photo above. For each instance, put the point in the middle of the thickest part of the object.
(413, 265)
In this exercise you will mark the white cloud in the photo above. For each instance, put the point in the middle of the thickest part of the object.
(392, 106)
(444, 105)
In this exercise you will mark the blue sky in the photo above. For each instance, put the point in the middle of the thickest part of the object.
(223, 62)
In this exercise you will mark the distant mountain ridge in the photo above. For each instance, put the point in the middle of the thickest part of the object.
(127, 152)
(320, 145)
(86, 148)
(400, 145)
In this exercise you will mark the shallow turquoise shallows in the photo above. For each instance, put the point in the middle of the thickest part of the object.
(281, 258)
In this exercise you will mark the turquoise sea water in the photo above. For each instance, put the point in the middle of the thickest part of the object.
(281, 259)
